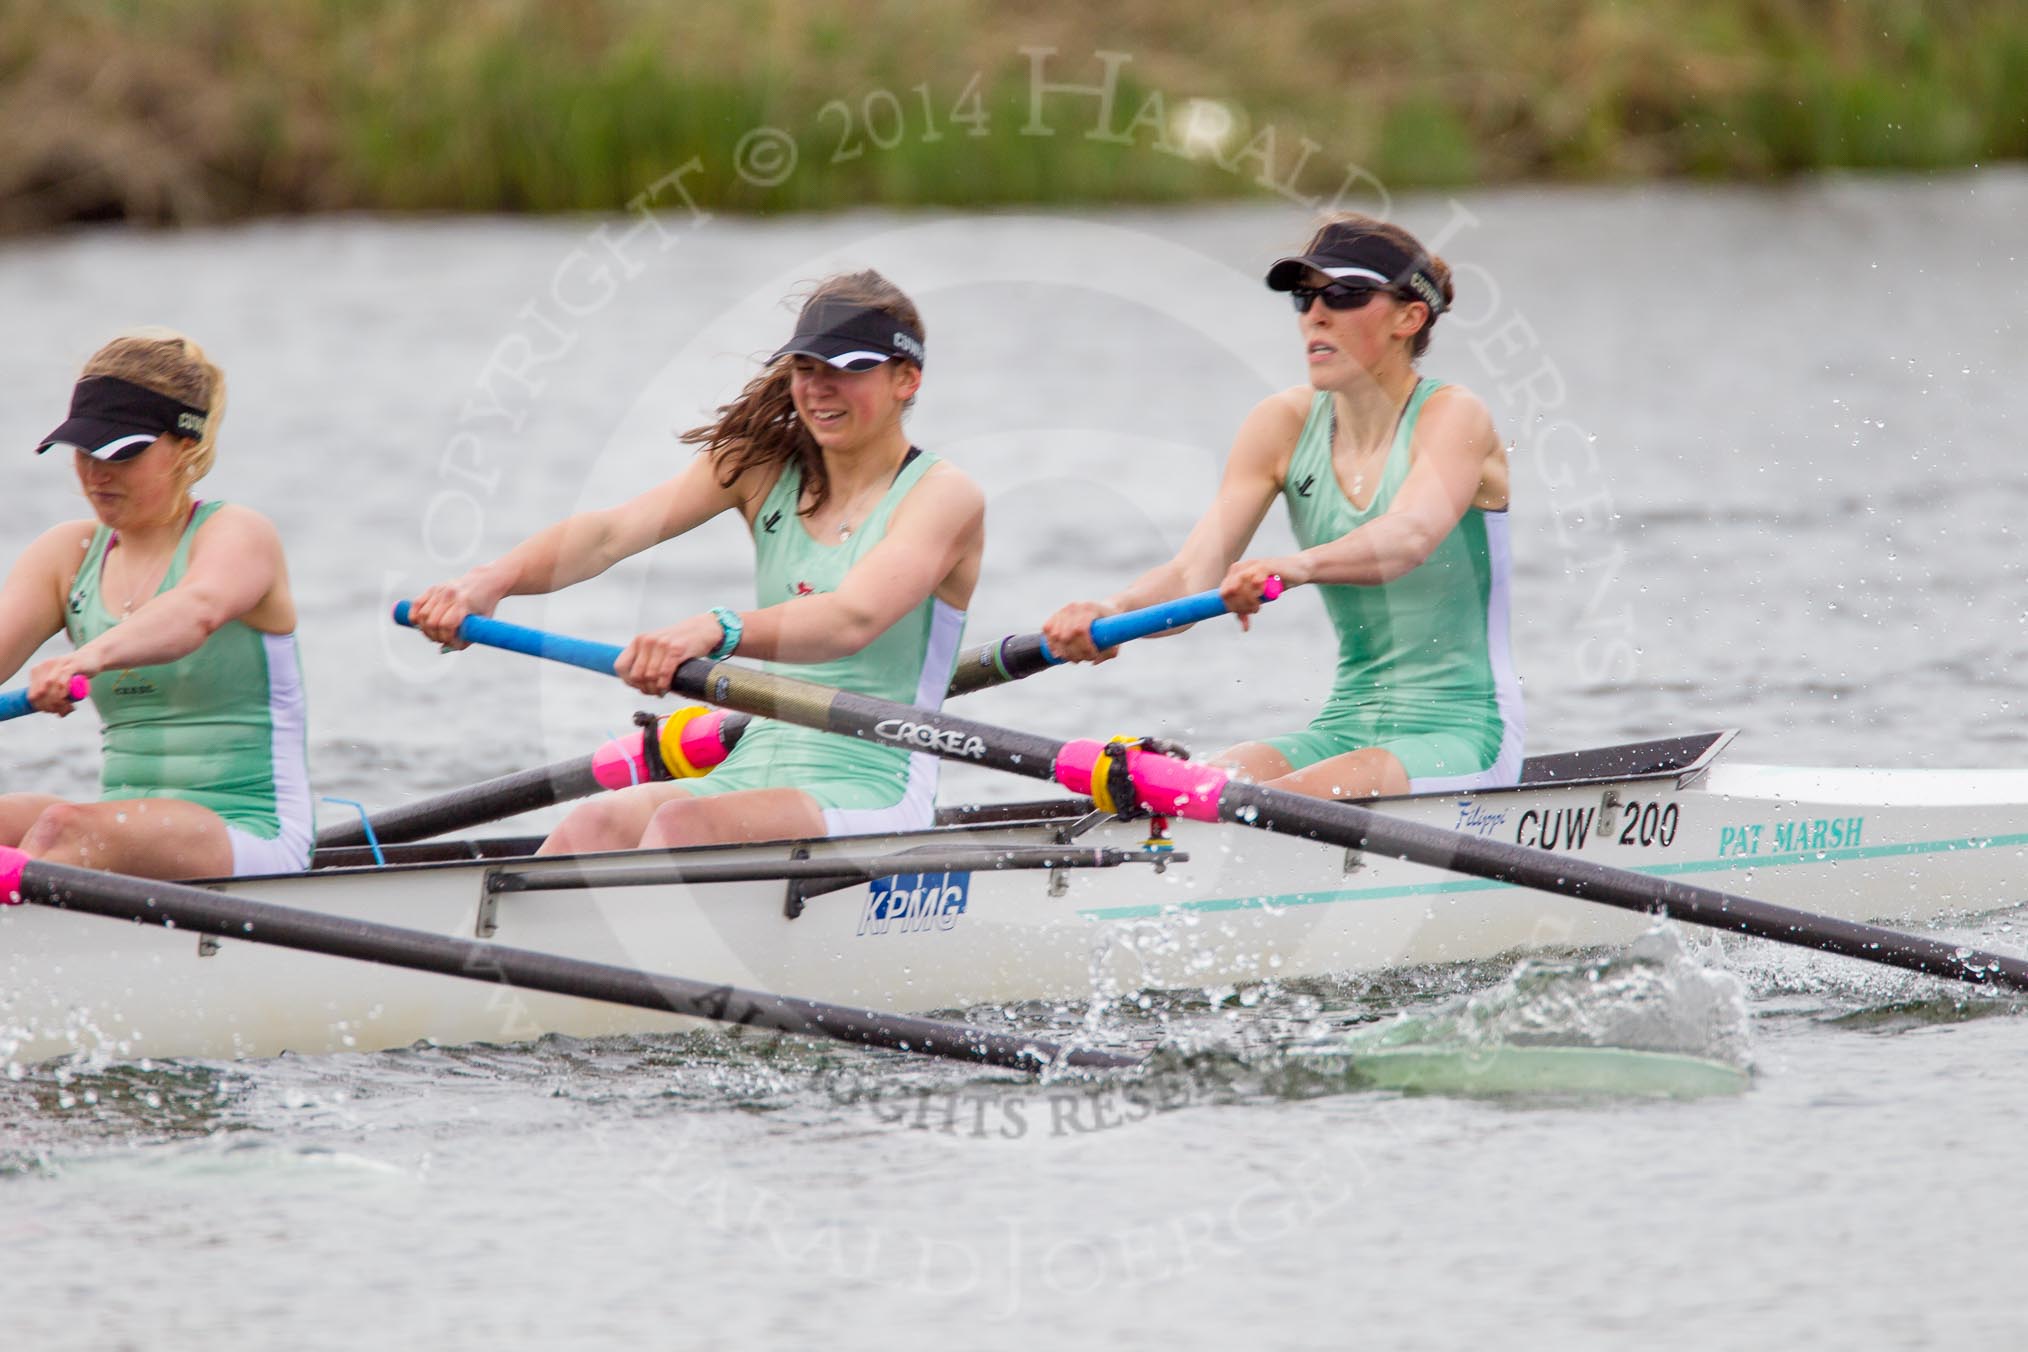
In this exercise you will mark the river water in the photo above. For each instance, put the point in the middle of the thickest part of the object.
(1763, 467)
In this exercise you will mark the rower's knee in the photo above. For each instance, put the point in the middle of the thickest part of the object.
(674, 824)
(60, 831)
(590, 827)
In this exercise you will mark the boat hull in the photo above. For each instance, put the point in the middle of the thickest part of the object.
(1234, 906)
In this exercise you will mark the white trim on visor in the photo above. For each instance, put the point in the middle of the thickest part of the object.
(110, 449)
(1340, 274)
(844, 361)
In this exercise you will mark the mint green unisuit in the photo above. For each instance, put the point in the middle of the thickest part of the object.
(223, 727)
(860, 786)
(1424, 665)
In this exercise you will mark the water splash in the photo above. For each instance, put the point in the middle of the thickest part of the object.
(1658, 995)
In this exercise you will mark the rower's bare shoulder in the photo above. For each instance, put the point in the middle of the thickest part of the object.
(63, 545)
(71, 538)
(237, 526)
(948, 490)
(1286, 411)
(1455, 411)
(1271, 430)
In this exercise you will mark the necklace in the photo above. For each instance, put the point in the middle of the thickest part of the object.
(851, 517)
(1362, 456)
(150, 581)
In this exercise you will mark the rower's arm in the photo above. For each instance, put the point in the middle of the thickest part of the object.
(579, 547)
(1454, 440)
(31, 598)
(235, 562)
(935, 537)
(1253, 475)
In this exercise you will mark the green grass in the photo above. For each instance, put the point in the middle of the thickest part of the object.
(215, 109)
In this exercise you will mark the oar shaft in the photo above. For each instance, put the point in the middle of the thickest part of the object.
(1181, 788)
(978, 668)
(1374, 832)
(507, 796)
(233, 917)
(14, 703)
(618, 764)
(1020, 655)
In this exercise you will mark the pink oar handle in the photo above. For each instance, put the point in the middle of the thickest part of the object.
(14, 703)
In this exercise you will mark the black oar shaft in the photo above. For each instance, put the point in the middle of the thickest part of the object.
(1353, 827)
(1010, 659)
(507, 796)
(1362, 828)
(492, 799)
(232, 917)
(989, 664)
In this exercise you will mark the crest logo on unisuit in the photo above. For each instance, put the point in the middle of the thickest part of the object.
(951, 742)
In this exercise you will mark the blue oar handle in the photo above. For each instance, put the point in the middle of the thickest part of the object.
(576, 652)
(14, 703)
(1019, 655)
(1113, 630)
(990, 664)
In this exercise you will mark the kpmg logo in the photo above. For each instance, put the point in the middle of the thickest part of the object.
(914, 903)
(949, 743)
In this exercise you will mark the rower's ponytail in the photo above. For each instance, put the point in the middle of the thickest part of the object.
(760, 429)
(166, 362)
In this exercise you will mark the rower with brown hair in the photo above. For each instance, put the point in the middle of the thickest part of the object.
(866, 549)
(1396, 485)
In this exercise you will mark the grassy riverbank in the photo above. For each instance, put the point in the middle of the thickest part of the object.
(206, 110)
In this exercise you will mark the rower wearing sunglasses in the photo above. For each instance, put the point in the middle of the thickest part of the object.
(1396, 485)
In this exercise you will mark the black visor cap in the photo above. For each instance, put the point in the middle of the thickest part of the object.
(851, 337)
(114, 419)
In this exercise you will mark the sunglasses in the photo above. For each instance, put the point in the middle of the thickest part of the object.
(1336, 296)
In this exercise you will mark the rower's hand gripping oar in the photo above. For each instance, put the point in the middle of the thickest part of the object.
(1127, 776)
(690, 741)
(14, 703)
(1020, 655)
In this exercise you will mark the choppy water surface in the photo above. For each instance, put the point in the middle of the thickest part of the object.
(1765, 478)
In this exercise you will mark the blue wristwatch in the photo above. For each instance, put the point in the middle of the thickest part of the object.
(730, 627)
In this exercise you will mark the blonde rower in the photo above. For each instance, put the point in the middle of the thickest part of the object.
(184, 625)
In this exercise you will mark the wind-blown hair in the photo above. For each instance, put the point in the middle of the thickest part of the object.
(760, 428)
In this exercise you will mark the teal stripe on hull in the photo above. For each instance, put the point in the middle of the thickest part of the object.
(1746, 863)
